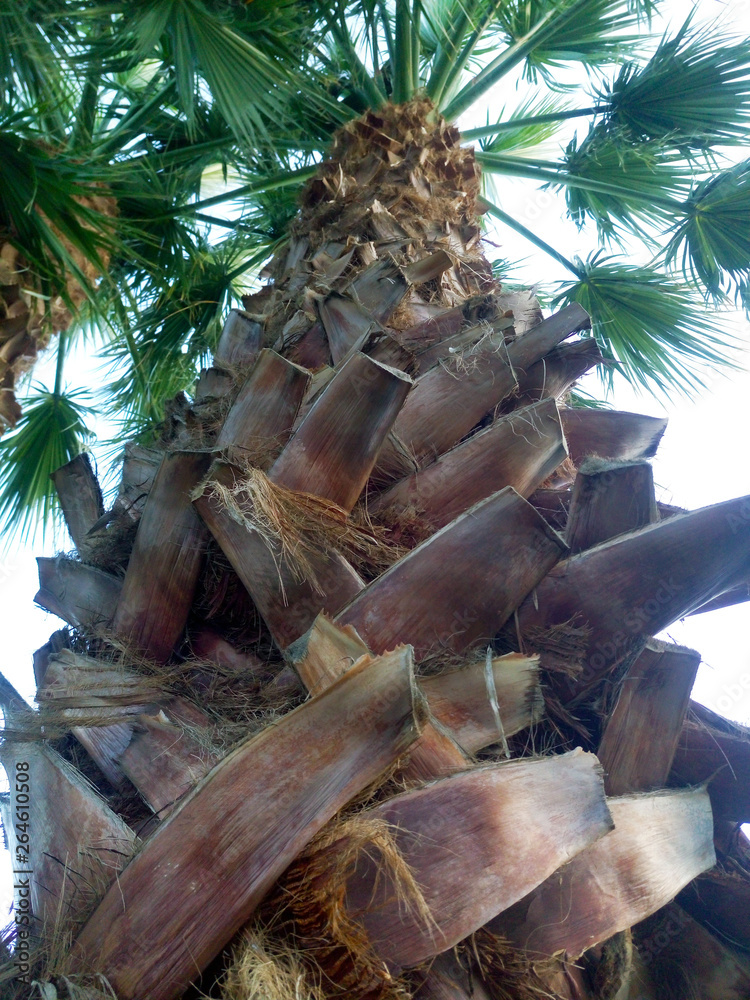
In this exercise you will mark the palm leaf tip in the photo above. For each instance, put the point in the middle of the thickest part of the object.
(694, 91)
(712, 242)
(651, 326)
(51, 432)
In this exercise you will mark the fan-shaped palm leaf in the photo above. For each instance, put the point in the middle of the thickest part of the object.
(652, 326)
(34, 38)
(531, 124)
(51, 432)
(694, 91)
(627, 182)
(545, 33)
(597, 34)
(248, 84)
(46, 212)
(712, 243)
(161, 354)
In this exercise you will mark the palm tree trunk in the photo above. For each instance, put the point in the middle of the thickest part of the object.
(387, 487)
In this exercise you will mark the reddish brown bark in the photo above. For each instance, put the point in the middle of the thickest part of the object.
(162, 574)
(553, 376)
(635, 585)
(611, 434)
(288, 604)
(475, 841)
(444, 405)
(462, 700)
(717, 751)
(261, 419)
(204, 871)
(641, 735)
(660, 842)
(520, 450)
(77, 844)
(609, 499)
(240, 340)
(77, 593)
(460, 585)
(335, 447)
(80, 499)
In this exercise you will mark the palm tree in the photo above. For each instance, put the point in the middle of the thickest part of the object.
(142, 102)
(378, 455)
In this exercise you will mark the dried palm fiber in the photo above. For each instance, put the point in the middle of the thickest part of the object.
(472, 841)
(507, 973)
(274, 793)
(128, 710)
(660, 841)
(286, 603)
(28, 319)
(319, 460)
(295, 527)
(313, 894)
(264, 967)
(126, 720)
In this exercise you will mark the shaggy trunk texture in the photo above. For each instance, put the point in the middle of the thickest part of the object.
(348, 657)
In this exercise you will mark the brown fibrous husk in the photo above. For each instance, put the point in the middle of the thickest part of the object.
(296, 526)
(313, 895)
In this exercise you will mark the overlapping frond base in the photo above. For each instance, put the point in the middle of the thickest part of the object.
(340, 658)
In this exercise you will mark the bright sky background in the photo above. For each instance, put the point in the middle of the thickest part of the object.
(703, 459)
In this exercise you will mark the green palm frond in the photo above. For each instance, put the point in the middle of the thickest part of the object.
(51, 432)
(249, 85)
(712, 243)
(615, 183)
(439, 29)
(160, 354)
(694, 91)
(527, 126)
(651, 326)
(41, 210)
(545, 34)
(600, 32)
(34, 38)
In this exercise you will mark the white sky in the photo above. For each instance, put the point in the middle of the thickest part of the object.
(703, 459)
